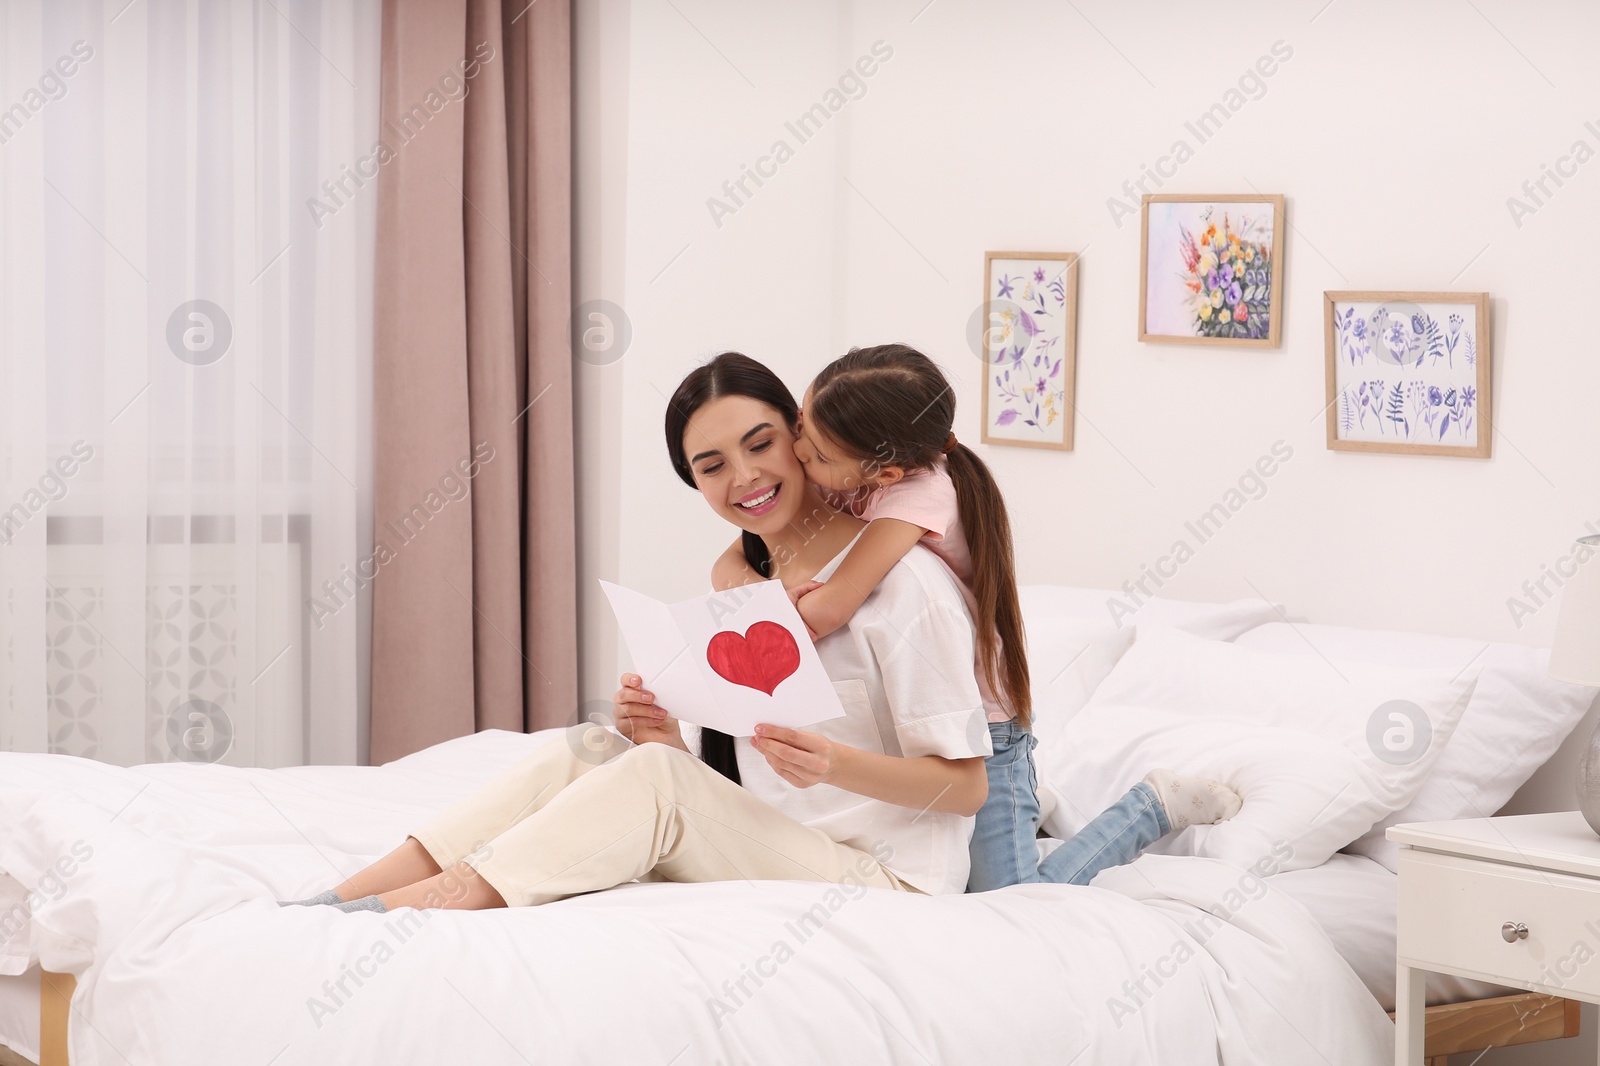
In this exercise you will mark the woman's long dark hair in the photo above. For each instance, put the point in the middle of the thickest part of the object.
(729, 374)
(890, 405)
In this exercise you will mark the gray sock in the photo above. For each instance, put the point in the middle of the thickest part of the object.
(330, 897)
(365, 903)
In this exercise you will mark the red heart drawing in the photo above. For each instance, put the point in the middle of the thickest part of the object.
(760, 659)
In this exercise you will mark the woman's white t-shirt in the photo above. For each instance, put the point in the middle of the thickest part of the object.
(902, 667)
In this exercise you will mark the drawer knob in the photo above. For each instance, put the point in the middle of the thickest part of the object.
(1513, 932)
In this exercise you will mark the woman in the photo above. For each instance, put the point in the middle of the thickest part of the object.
(883, 796)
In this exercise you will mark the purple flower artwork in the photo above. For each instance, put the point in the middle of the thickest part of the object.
(1405, 373)
(1030, 306)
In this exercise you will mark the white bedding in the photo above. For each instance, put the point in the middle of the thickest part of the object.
(1351, 897)
(19, 1013)
(1356, 902)
(183, 957)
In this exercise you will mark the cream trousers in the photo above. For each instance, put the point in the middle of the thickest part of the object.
(590, 810)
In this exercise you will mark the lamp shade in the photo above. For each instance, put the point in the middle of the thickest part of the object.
(1576, 655)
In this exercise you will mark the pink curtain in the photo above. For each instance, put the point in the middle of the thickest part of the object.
(474, 603)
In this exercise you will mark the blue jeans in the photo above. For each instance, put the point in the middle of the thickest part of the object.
(1004, 848)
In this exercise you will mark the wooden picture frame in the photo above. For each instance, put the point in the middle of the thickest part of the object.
(1029, 328)
(1396, 336)
(1181, 253)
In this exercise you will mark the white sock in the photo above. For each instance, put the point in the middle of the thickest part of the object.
(1193, 800)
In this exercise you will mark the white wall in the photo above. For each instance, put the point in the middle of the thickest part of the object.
(1397, 131)
(764, 282)
(601, 56)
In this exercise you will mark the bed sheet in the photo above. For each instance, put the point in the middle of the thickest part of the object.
(1354, 900)
(168, 918)
(1351, 897)
(19, 1013)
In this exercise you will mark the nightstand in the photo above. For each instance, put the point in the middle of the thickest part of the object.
(1515, 901)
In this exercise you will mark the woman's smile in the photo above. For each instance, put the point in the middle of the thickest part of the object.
(760, 501)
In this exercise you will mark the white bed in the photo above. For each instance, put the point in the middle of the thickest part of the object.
(1351, 897)
(165, 910)
(192, 961)
(19, 1014)
(1353, 900)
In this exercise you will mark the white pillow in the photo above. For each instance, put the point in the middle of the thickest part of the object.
(1517, 717)
(1287, 731)
(1216, 621)
(1068, 657)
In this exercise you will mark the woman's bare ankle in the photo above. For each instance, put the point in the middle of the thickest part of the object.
(461, 888)
(405, 865)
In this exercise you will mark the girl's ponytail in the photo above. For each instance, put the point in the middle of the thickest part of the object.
(892, 405)
(994, 584)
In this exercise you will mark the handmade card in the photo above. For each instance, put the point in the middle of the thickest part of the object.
(729, 660)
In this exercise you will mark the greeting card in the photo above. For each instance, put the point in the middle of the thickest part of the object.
(728, 660)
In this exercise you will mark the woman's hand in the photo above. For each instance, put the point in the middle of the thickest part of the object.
(640, 719)
(802, 759)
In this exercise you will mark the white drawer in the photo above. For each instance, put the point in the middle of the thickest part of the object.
(1452, 909)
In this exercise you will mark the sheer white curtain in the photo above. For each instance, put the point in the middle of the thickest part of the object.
(185, 371)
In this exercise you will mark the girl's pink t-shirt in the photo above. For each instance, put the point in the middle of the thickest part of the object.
(927, 498)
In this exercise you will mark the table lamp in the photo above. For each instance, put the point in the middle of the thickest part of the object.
(1576, 657)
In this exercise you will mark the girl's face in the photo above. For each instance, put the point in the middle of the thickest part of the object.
(742, 454)
(826, 463)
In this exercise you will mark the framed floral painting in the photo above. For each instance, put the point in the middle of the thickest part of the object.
(1408, 372)
(1211, 270)
(1030, 316)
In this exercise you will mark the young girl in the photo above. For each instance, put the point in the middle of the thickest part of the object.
(875, 436)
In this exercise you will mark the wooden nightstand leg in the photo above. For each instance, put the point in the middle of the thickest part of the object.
(1410, 1015)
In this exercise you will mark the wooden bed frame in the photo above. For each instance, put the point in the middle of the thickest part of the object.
(1475, 1025)
(1480, 1024)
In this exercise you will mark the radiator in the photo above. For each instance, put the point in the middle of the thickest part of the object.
(213, 690)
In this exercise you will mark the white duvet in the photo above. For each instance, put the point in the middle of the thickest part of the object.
(163, 905)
